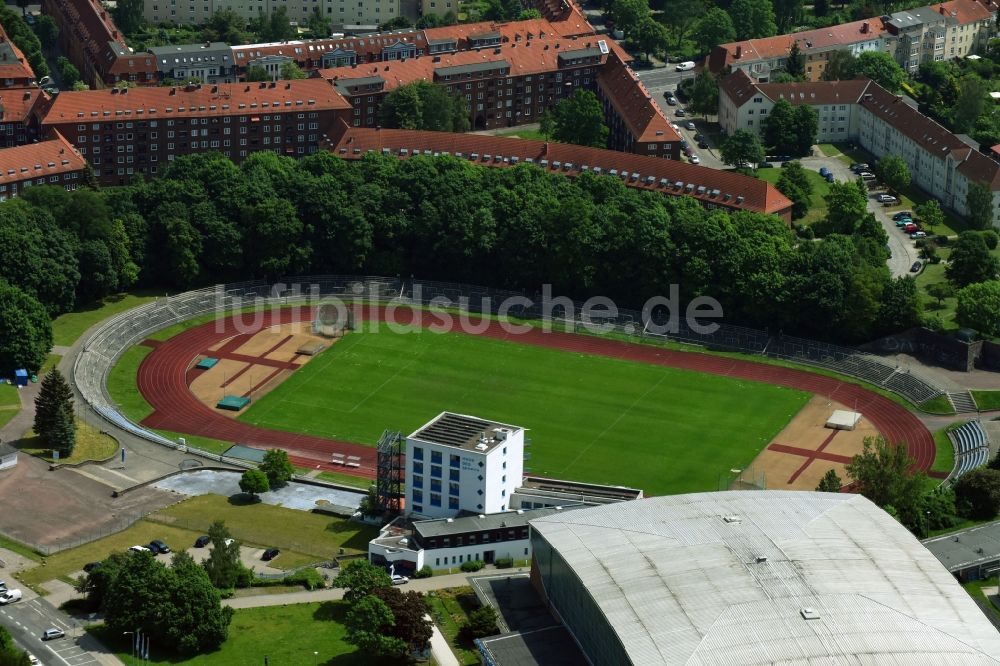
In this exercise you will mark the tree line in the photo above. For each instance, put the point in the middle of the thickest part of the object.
(206, 220)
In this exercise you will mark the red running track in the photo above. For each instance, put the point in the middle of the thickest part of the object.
(162, 381)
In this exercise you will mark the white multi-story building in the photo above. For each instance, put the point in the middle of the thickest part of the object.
(462, 463)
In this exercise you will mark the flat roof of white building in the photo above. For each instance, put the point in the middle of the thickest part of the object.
(761, 577)
(460, 431)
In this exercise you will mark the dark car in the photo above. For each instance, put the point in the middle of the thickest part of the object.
(915, 268)
(699, 137)
(829, 177)
(270, 554)
(90, 566)
(823, 171)
(201, 542)
(679, 113)
(158, 546)
(903, 214)
(703, 144)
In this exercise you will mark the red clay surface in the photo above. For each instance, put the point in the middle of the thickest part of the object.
(162, 380)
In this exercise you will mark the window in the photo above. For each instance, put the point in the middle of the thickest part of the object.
(453, 489)
(453, 503)
(418, 496)
(418, 453)
(418, 508)
(418, 482)
(436, 457)
(418, 468)
(436, 471)
(436, 485)
(454, 461)
(453, 475)
(435, 499)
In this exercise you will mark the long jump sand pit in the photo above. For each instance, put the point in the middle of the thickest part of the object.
(251, 365)
(806, 449)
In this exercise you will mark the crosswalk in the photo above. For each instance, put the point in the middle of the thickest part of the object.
(29, 619)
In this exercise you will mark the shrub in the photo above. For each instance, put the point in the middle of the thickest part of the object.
(423, 572)
(482, 622)
(245, 577)
(308, 578)
(991, 238)
(503, 562)
(472, 565)
(941, 240)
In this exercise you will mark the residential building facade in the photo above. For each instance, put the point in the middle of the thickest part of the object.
(134, 131)
(458, 463)
(20, 115)
(635, 121)
(211, 62)
(51, 162)
(338, 12)
(937, 32)
(941, 163)
(15, 72)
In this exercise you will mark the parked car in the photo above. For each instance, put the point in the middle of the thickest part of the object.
(886, 199)
(685, 66)
(32, 659)
(823, 171)
(918, 234)
(138, 549)
(917, 265)
(703, 144)
(399, 580)
(52, 633)
(9, 597)
(858, 167)
(671, 100)
(911, 228)
(867, 176)
(3, 585)
(695, 159)
(903, 222)
(45, 80)
(699, 136)
(691, 125)
(902, 214)
(679, 113)
(90, 566)
(687, 151)
(270, 554)
(201, 541)
(158, 546)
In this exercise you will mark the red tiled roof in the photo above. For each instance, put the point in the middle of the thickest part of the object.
(365, 46)
(633, 102)
(822, 39)
(966, 11)
(758, 195)
(16, 65)
(529, 57)
(39, 160)
(740, 88)
(204, 100)
(18, 103)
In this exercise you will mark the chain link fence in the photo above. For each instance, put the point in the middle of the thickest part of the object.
(107, 344)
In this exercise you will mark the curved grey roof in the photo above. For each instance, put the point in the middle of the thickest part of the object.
(761, 577)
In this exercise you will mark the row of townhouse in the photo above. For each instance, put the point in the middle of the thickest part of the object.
(94, 44)
(15, 72)
(53, 162)
(941, 163)
(947, 30)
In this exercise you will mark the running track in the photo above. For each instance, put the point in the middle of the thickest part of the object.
(162, 380)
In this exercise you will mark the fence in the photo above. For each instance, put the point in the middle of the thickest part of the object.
(115, 526)
(106, 345)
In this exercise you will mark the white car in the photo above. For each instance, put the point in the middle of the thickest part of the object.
(685, 66)
(918, 234)
(691, 125)
(9, 597)
(138, 549)
(886, 199)
(399, 580)
(32, 659)
(694, 159)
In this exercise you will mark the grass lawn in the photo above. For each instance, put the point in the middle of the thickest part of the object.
(681, 429)
(345, 479)
(300, 634)
(975, 590)
(534, 135)
(10, 403)
(931, 274)
(817, 204)
(203, 443)
(450, 608)
(829, 149)
(122, 387)
(6, 415)
(317, 536)
(67, 328)
(937, 405)
(944, 457)
(51, 361)
(987, 400)
(90, 445)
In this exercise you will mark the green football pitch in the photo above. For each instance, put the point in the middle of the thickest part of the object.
(590, 418)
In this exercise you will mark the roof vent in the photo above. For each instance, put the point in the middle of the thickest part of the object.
(449, 520)
(404, 541)
(558, 508)
(732, 518)
(520, 512)
(481, 516)
(760, 559)
(809, 613)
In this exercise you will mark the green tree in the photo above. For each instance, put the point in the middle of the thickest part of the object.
(482, 622)
(805, 127)
(743, 149)
(628, 14)
(368, 624)
(529, 14)
(369, 506)
(25, 331)
(320, 26)
(846, 206)
(254, 482)
(436, 20)
(411, 617)
(977, 494)
(713, 29)
(10, 654)
(681, 17)
(290, 71)
(226, 26)
(705, 94)
(821, 8)
(198, 622)
(651, 37)
(753, 19)
(779, 127)
(795, 184)
(971, 102)
(277, 467)
(881, 68)
(795, 63)
(426, 106)
(53, 406)
(361, 578)
(257, 73)
(223, 564)
(881, 472)
(930, 215)
(979, 307)
(893, 171)
(900, 307)
(547, 124)
(273, 236)
(580, 119)
(397, 23)
(127, 15)
(841, 66)
(979, 201)
(273, 27)
(971, 261)
(47, 31)
(788, 14)
(830, 483)
(940, 291)
(70, 74)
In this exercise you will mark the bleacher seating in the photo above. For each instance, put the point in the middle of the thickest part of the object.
(971, 461)
(969, 437)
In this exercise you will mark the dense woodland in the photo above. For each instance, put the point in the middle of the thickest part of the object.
(206, 220)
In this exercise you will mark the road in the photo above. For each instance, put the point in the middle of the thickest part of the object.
(26, 620)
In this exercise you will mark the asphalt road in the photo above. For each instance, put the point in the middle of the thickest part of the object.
(26, 620)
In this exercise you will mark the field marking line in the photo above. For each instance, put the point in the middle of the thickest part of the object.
(615, 422)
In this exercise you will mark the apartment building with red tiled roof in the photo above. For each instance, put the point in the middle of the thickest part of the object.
(635, 121)
(724, 190)
(21, 111)
(50, 162)
(132, 131)
(15, 72)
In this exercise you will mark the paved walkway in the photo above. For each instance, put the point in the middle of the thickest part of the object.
(25, 418)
